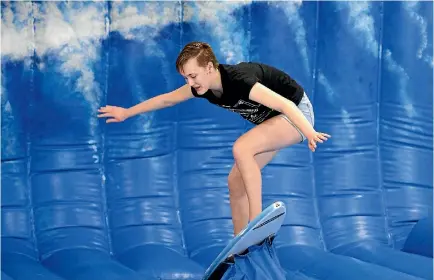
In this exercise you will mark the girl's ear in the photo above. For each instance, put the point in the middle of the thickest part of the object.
(210, 66)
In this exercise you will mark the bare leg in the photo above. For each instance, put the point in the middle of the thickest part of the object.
(237, 192)
(272, 135)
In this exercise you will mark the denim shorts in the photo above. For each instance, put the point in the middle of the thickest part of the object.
(306, 108)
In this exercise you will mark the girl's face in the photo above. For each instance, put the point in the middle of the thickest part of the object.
(198, 77)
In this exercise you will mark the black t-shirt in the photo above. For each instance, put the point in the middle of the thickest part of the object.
(238, 80)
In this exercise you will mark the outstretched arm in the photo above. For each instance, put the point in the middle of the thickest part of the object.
(169, 99)
(271, 99)
(161, 101)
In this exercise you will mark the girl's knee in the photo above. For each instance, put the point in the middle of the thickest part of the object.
(240, 150)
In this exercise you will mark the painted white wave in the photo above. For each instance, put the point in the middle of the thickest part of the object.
(16, 46)
(142, 22)
(223, 25)
(71, 32)
(73, 36)
(412, 8)
(17, 35)
(331, 97)
(394, 67)
(296, 23)
(330, 93)
(9, 137)
(362, 24)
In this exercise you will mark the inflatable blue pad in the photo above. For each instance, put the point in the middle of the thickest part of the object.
(22, 267)
(4, 276)
(322, 265)
(153, 260)
(83, 199)
(379, 254)
(420, 239)
(85, 264)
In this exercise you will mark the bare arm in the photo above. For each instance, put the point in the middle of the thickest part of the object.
(271, 99)
(119, 114)
(161, 101)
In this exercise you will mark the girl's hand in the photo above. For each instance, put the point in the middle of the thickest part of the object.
(317, 137)
(117, 114)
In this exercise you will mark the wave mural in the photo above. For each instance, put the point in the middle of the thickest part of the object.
(147, 198)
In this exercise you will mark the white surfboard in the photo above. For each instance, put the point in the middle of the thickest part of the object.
(265, 225)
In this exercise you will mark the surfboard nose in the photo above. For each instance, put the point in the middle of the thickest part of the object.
(279, 204)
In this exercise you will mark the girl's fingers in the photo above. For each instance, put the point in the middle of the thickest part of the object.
(312, 143)
(111, 120)
(104, 115)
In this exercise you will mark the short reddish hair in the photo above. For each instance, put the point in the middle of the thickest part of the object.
(199, 50)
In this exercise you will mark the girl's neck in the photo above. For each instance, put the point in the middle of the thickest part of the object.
(216, 84)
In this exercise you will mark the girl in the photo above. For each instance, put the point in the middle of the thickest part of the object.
(262, 94)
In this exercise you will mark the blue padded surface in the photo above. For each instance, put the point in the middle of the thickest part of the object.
(4, 276)
(89, 265)
(420, 239)
(21, 267)
(106, 196)
(153, 260)
(324, 265)
(412, 264)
